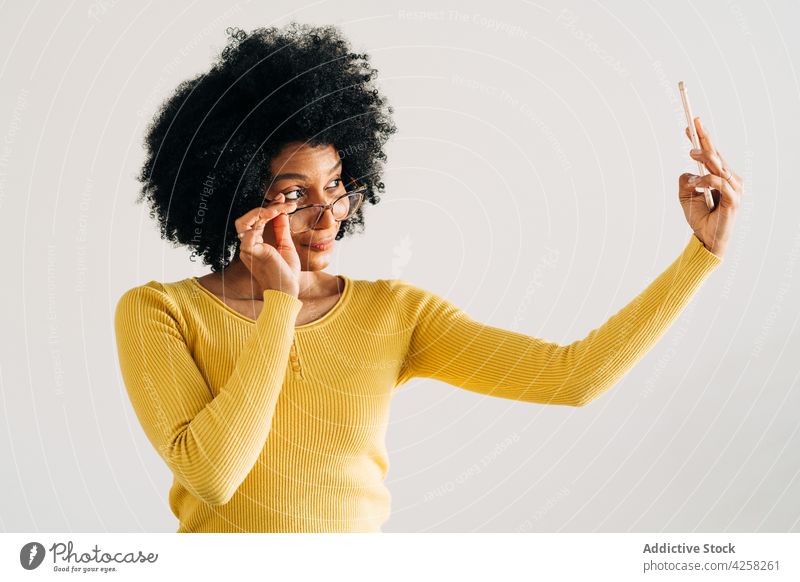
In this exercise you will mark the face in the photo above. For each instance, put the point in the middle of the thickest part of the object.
(309, 175)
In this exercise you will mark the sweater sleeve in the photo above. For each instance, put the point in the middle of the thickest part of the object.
(446, 344)
(210, 443)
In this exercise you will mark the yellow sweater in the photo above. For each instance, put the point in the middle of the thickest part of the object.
(272, 427)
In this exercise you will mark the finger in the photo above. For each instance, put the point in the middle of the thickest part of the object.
(705, 138)
(710, 160)
(689, 136)
(716, 165)
(252, 237)
(257, 223)
(266, 213)
(707, 145)
(280, 204)
(736, 179)
(248, 220)
(283, 235)
(732, 177)
(684, 186)
(729, 196)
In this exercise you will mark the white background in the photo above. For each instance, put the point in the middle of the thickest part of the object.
(527, 130)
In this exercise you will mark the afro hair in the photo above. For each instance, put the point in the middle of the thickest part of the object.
(210, 144)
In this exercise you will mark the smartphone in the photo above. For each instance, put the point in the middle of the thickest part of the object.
(695, 141)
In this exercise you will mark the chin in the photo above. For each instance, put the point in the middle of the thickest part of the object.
(315, 264)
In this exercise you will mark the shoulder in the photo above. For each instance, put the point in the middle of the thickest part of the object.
(384, 295)
(150, 291)
(416, 302)
(395, 290)
(405, 291)
(153, 297)
(395, 285)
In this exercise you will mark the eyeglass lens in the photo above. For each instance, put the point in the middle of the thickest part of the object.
(306, 218)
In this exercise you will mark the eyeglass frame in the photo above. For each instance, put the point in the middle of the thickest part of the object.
(361, 189)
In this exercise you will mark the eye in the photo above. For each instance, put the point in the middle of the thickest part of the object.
(338, 182)
(299, 193)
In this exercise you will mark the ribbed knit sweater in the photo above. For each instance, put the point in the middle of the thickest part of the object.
(268, 426)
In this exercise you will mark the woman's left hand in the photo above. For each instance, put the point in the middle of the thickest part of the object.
(713, 227)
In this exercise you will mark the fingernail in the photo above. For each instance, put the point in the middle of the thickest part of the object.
(693, 179)
(695, 151)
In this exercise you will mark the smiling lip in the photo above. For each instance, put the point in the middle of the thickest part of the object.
(322, 245)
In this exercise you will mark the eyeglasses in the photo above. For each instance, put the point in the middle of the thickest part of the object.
(345, 206)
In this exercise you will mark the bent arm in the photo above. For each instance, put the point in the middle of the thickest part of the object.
(447, 344)
(210, 443)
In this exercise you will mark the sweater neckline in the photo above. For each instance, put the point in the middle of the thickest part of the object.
(329, 315)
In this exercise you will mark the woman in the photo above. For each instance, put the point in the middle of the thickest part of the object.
(265, 385)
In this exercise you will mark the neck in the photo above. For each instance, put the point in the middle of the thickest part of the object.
(237, 280)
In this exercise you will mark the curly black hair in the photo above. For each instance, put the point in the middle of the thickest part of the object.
(210, 144)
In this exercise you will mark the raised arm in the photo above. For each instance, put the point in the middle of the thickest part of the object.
(210, 443)
(447, 344)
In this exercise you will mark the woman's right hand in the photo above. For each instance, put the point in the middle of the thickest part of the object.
(273, 267)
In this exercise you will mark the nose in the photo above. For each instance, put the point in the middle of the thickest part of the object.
(327, 220)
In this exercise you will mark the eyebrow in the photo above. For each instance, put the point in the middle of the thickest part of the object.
(296, 176)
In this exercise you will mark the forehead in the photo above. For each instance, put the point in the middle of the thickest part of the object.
(301, 157)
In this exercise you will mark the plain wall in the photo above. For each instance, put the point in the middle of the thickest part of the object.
(533, 182)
